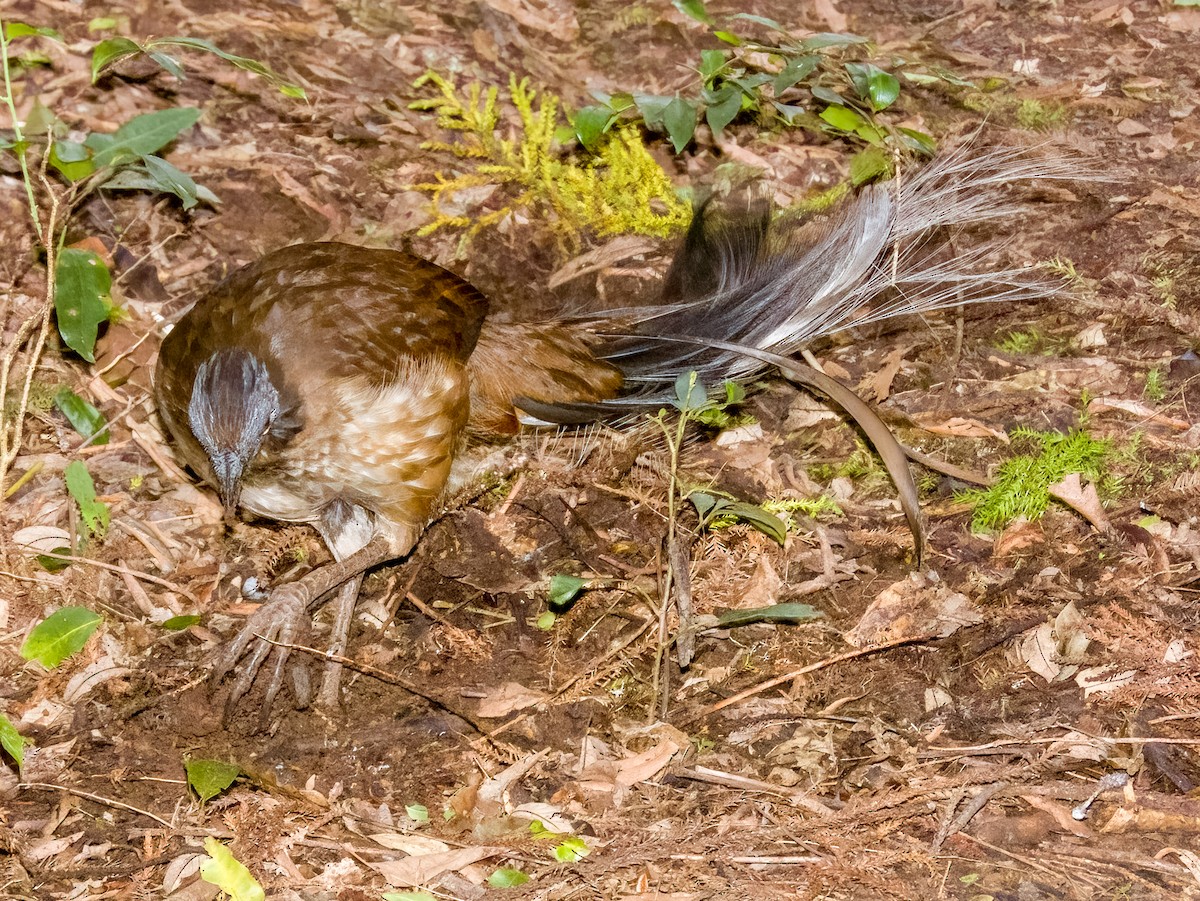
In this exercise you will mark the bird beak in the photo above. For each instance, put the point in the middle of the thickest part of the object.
(228, 470)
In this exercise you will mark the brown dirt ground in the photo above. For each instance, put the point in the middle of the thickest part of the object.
(939, 768)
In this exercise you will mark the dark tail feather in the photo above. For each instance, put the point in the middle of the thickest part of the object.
(745, 282)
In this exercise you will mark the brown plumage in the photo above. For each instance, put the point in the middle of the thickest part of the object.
(335, 385)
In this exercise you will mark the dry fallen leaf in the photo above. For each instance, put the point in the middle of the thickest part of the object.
(918, 605)
(420, 869)
(509, 697)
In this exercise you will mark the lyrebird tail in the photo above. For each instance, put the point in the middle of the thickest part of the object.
(776, 286)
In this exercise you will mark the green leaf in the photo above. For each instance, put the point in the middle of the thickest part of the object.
(690, 393)
(868, 165)
(84, 418)
(507, 877)
(141, 135)
(843, 118)
(790, 113)
(776, 613)
(103, 23)
(15, 30)
(725, 107)
(695, 9)
(81, 286)
(60, 635)
(711, 62)
(827, 95)
(80, 486)
(208, 778)
(919, 141)
(111, 51)
(704, 503)
(571, 849)
(728, 37)
(418, 813)
(137, 178)
(170, 180)
(877, 87)
(797, 69)
(767, 523)
(545, 621)
(564, 589)
(72, 159)
(228, 874)
(761, 20)
(54, 564)
(168, 63)
(679, 119)
(734, 393)
(12, 741)
(652, 107)
(242, 62)
(591, 122)
(179, 623)
(826, 39)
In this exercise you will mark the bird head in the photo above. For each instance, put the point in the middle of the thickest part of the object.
(233, 409)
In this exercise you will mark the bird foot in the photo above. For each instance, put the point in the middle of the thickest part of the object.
(270, 633)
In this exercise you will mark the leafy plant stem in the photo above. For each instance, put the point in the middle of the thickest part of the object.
(19, 138)
(12, 427)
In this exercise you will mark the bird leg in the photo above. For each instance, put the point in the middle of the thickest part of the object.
(342, 619)
(284, 622)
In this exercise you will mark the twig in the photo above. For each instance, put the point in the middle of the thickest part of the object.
(805, 670)
(136, 573)
(99, 799)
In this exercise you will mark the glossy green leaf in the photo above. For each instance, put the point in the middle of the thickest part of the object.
(208, 778)
(84, 418)
(60, 635)
(564, 589)
(545, 621)
(12, 741)
(724, 109)
(591, 122)
(843, 118)
(95, 512)
(141, 135)
(879, 88)
(776, 613)
(72, 160)
(797, 69)
(507, 877)
(111, 51)
(652, 107)
(229, 874)
(704, 504)
(728, 37)
(679, 119)
(790, 113)
(694, 9)
(81, 286)
(179, 623)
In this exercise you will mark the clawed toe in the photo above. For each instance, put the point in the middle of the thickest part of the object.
(270, 632)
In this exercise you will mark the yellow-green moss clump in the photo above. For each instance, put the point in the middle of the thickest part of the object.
(618, 190)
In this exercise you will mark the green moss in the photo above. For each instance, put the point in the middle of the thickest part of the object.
(618, 190)
(1037, 115)
(1022, 486)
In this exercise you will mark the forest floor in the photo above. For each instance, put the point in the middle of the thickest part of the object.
(928, 737)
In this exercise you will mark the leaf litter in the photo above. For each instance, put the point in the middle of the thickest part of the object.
(1052, 657)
